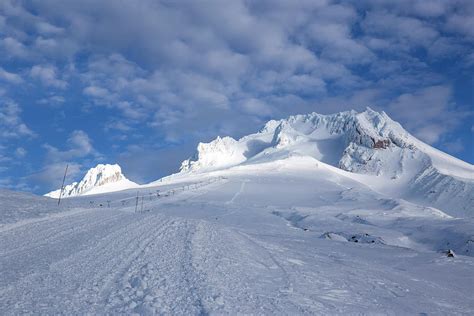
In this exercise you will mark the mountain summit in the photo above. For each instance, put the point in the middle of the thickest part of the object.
(370, 144)
(100, 179)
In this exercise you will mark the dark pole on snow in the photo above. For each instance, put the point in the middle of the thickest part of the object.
(62, 186)
(136, 204)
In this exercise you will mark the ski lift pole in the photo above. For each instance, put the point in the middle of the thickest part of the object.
(62, 186)
(136, 204)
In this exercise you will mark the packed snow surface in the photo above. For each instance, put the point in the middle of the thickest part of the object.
(341, 214)
(100, 179)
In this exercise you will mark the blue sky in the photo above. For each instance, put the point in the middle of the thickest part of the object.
(142, 82)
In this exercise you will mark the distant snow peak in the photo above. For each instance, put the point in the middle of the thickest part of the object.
(100, 179)
(103, 174)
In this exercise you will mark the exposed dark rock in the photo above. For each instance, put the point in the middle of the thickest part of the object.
(382, 144)
(450, 253)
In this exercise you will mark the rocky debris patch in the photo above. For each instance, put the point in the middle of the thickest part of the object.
(363, 238)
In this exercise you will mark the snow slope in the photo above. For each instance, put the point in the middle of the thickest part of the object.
(100, 179)
(290, 236)
(366, 143)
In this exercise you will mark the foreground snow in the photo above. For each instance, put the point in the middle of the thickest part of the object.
(285, 237)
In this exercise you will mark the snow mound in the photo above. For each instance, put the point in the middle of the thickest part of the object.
(101, 179)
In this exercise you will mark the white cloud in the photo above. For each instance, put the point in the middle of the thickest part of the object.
(427, 112)
(51, 176)
(20, 152)
(462, 23)
(11, 124)
(97, 92)
(46, 28)
(79, 145)
(117, 125)
(48, 76)
(53, 101)
(14, 48)
(10, 77)
(256, 107)
(406, 32)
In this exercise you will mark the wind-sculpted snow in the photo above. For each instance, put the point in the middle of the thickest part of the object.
(367, 143)
(293, 236)
(100, 179)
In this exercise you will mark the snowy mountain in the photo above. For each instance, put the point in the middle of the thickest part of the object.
(303, 217)
(101, 179)
(367, 143)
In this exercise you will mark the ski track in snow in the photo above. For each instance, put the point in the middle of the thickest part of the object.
(238, 193)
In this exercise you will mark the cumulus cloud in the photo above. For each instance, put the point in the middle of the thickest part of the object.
(53, 100)
(79, 145)
(10, 77)
(46, 28)
(48, 75)
(50, 177)
(427, 112)
(256, 107)
(13, 48)
(11, 124)
(406, 32)
(20, 152)
(462, 22)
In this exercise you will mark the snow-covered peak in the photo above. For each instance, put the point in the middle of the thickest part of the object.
(365, 128)
(102, 174)
(100, 179)
(324, 137)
